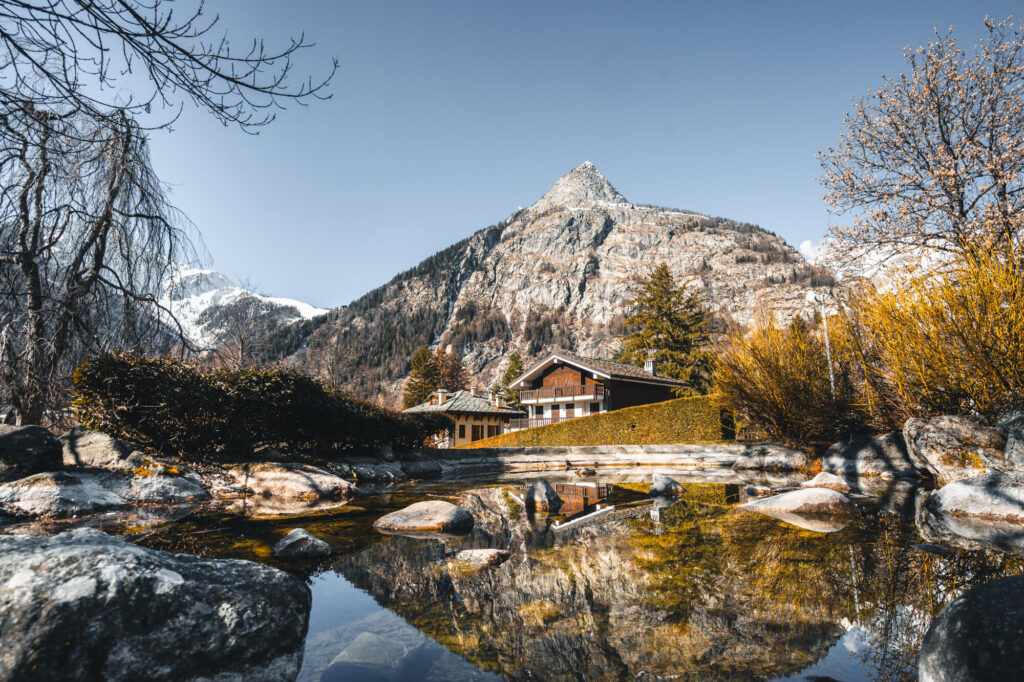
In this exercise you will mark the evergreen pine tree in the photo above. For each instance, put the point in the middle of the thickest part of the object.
(669, 323)
(512, 372)
(424, 379)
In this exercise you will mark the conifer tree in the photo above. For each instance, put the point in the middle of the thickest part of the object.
(424, 378)
(511, 373)
(669, 324)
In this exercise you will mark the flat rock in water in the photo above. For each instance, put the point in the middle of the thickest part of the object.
(301, 544)
(27, 450)
(663, 486)
(61, 494)
(85, 605)
(827, 480)
(821, 501)
(885, 456)
(159, 489)
(433, 516)
(977, 636)
(955, 447)
(478, 559)
(984, 511)
(770, 457)
(293, 481)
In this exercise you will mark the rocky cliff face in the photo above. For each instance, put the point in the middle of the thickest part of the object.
(557, 273)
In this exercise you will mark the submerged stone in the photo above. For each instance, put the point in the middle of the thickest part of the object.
(301, 544)
(85, 605)
(433, 516)
(977, 636)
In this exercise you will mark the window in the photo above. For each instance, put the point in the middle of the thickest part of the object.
(538, 411)
(595, 408)
(478, 432)
(492, 430)
(462, 430)
(555, 413)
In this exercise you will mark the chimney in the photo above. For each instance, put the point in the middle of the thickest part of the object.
(473, 391)
(649, 364)
(442, 396)
(499, 399)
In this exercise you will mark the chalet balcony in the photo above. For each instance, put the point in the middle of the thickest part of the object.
(519, 424)
(557, 392)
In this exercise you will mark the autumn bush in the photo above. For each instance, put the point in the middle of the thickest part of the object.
(169, 406)
(776, 378)
(946, 340)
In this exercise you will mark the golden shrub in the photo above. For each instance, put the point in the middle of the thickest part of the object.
(944, 340)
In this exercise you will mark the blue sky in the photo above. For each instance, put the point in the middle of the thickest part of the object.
(447, 116)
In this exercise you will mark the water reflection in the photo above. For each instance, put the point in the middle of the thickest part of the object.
(692, 588)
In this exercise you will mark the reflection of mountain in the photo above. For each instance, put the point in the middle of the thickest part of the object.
(602, 604)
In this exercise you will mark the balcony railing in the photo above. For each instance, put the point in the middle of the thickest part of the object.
(562, 392)
(517, 424)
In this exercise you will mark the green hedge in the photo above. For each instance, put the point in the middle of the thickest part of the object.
(683, 420)
(168, 406)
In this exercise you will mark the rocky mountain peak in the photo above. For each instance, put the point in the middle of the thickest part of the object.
(582, 186)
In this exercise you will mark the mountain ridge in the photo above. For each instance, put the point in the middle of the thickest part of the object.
(555, 273)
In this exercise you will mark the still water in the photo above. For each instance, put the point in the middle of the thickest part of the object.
(695, 589)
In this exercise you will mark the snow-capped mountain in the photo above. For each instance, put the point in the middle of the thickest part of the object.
(195, 296)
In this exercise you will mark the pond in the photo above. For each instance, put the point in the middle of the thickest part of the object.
(695, 589)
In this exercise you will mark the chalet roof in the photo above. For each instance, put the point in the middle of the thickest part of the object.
(603, 368)
(464, 402)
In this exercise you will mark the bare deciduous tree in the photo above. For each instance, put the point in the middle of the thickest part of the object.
(935, 158)
(86, 55)
(86, 237)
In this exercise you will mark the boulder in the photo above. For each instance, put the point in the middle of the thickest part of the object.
(85, 605)
(293, 481)
(955, 447)
(814, 509)
(820, 501)
(977, 636)
(88, 448)
(64, 493)
(27, 450)
(884, 456)
(472, 560)
(433, 516)
(1014, 452)
(540, 496)
(162, 489)
(984, 511)
(1009, 421)
(300, 544)
(770, 457)
(663, 486)
(827, 480)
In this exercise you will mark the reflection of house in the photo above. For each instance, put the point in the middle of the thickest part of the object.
(563, 386)
(476, 415)
(578, 497)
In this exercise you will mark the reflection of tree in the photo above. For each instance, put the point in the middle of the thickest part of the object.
(683, 561)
